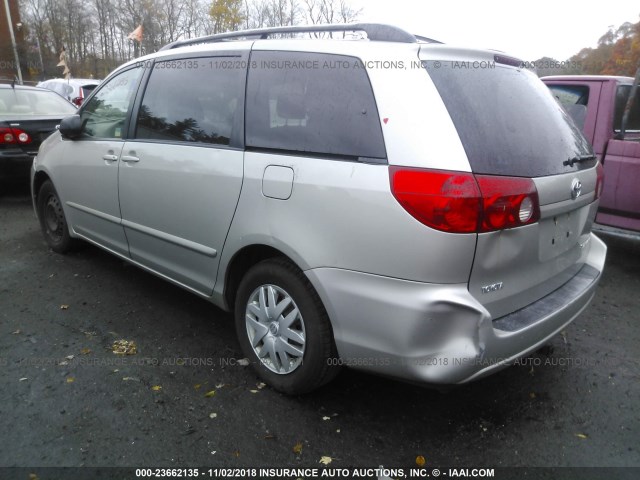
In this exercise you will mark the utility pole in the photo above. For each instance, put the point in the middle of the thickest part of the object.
(13, 41)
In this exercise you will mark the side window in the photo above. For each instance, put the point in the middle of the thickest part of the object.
(196, 100)
(105, 115)
(622, 96)
(315, 103)
(574, 99)
(570, 94)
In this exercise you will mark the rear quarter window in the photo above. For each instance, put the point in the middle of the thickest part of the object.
(312, 103)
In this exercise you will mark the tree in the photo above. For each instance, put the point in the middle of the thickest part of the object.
(226, 15)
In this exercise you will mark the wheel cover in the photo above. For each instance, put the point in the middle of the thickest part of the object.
(54, 218)
(275, 329)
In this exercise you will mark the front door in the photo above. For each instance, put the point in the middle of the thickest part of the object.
(89, 169)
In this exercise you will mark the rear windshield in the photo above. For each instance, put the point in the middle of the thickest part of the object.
(19, 101)
(508, 121)
(622, 96)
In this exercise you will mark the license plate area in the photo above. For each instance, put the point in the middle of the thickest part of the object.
(559, 233)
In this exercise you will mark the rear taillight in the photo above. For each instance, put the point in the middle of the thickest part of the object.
(508, 202)
(460, 202)
(14, 136)
(599, 180)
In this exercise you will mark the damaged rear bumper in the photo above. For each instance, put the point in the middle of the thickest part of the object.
(440, 334)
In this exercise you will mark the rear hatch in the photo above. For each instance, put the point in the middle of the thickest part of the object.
(511, 126)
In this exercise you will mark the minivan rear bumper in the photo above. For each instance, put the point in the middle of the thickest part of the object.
(440, 334)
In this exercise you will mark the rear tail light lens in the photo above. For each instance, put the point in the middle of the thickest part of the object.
(600, 180)
(508, 202)
(14, 136)
(460, 202)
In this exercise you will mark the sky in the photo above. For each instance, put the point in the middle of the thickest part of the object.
(528, 30)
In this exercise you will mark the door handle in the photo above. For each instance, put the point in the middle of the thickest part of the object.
(110, 158)
(129, 159)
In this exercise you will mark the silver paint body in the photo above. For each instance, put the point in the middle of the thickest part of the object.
(404, 300)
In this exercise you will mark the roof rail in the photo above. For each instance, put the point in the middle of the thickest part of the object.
(375, 31)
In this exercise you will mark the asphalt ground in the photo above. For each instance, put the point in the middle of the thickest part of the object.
(185, 399)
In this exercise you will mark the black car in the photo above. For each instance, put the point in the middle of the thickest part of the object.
(28, 115)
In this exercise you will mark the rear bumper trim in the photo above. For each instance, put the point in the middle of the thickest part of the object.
(530, 314)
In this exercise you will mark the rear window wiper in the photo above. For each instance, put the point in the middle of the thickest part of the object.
(578, 159)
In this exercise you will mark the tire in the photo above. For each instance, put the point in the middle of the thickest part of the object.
(290, 346)
(52, 220)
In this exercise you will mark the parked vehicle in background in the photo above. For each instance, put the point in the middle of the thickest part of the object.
(28, 115)
(597, 104)
(361, 202)
(74, 89)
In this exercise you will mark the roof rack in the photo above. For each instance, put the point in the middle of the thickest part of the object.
(377, 32)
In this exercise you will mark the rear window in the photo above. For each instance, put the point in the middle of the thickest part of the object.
(15, 102)
(508, 121)
(622, 95)
(312, 103)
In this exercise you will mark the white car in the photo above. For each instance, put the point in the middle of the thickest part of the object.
(75, 89)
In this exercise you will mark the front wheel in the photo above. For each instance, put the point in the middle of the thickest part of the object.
(284, 329)
(53, 222)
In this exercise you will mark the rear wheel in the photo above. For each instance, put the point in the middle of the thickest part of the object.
(284, 329)
(52, 219)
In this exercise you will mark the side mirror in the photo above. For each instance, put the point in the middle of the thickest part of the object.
(71, 127)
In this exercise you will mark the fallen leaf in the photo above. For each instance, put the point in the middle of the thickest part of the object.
(338, 431)
(210, 393)
(243, 362)
(532, 395)
(269, 436)
(261, 386)
(85, 351)
(23, 379)
(325, 460)
(71, 380)
(70, 357)
(220, 385)
(124, 347)
(582, 436)
(33, 476)
(326, 418)
(297, 448)
(156, 388)
(130, 379)
(64, 362)
(64, 307)
(213, 415)
(197, 386)
(420, 461)
(17, 332)
(253, 391)
(237, 453)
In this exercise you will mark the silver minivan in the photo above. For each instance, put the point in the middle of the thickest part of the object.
(376, 200)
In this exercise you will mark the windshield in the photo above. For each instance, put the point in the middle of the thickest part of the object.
(508, 121)
(23, 102)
